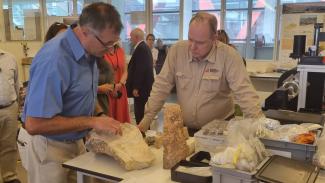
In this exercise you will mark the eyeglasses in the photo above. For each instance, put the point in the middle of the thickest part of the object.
(108, 45)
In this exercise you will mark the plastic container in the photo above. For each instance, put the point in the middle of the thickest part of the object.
(274, 169)
(212, 137)
(230, 175)
(209, 143)
(292, 150)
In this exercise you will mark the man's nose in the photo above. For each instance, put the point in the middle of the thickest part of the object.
(193, 46)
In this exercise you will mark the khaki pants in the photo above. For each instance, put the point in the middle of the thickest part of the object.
(45, 158)
(8, 147)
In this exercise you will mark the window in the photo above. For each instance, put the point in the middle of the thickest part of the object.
(236, 20)
(263, 20)
(263, 28)
(210, 6)
(250, 24)
(135, 12)
(83, 3)
(236, 25)
(206, 5)
(80, 5)
(166, 20)
(250, 29)
(23, 18)
(300, 1)
(59, 7)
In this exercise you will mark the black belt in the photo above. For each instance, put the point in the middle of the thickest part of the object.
(4, 106)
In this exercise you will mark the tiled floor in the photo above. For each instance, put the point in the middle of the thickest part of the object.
(22, 174)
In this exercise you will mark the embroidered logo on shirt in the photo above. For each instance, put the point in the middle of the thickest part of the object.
(212, 70)
(210, 73)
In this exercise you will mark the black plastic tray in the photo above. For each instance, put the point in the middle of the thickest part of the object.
(189, 178)
(201, 157)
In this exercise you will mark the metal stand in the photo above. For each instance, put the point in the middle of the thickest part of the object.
(303, 75)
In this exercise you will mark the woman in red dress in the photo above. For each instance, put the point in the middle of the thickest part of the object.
(118, 101)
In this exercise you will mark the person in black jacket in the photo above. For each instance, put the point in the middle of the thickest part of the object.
(162, 53)
(140, 73)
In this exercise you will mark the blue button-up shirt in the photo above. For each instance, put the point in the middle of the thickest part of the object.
(63, 81)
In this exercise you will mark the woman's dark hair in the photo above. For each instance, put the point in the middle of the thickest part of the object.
(53, 30)
(150, 35)
(223, 36)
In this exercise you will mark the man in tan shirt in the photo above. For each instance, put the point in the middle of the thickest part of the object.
(209, 76)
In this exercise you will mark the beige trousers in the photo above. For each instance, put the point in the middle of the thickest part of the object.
(8, 147)
(45, 158)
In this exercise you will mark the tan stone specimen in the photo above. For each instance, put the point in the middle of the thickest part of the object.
(174, 138)
(129, 149)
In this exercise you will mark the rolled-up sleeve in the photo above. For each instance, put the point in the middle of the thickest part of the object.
(239, 82)
(164, 83)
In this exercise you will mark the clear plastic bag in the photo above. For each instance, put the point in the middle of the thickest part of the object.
(289, 132)
(244, 150)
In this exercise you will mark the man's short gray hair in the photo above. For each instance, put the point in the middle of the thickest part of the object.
(138, 33)
(99, 16)
(211, 19)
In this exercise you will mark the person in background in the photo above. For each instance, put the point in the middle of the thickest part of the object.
(105, 86)
(209, 76)
(162, 53)
(60, 102)
(54, 30)
(118, 100)
(9, 88)
(140, 73)
(150, 39)
(223, 37)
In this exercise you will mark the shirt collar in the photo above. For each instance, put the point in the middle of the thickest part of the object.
(210, 57)
(136, 45)
(75, 45)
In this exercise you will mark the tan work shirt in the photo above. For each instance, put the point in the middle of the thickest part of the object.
(9, 82)
(206, 90)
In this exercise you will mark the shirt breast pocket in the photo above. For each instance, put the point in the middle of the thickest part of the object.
(182, 81)
(11, 77)
(211, 84)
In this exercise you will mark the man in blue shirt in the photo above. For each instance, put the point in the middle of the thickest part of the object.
(62, 92)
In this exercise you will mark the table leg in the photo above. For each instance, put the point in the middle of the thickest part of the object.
(80, 177)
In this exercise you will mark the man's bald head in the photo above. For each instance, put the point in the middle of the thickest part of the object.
(136, 35)
(206, 17)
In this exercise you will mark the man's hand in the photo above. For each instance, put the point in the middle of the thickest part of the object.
(135, 93)
(107, 124)
(144, 125)
(106, 88)
(118, 86)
